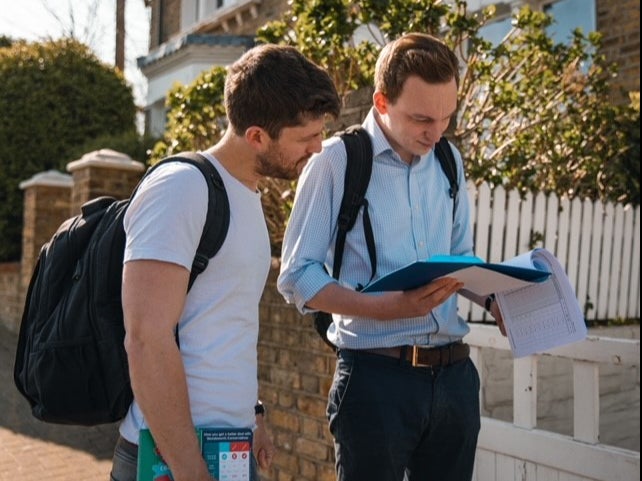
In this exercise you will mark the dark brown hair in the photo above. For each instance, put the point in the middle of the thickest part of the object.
(414, 54)
(275, 86)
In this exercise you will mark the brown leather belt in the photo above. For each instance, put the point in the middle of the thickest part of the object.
(420, 356)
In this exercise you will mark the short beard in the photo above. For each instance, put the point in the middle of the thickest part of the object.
(271, 164)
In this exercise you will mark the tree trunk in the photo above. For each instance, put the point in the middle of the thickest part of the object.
(120, 35)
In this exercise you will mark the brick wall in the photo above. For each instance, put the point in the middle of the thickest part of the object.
(619, 22)
(165, 21)
(356, 105)
(295, 374)
(296, 367)
(46, 205)
(102, 173)
(50, 198)
(11, 300)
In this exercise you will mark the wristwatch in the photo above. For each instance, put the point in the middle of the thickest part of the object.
(259, 408)
(489, 300)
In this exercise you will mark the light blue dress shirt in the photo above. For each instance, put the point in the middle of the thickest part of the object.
(411, 213)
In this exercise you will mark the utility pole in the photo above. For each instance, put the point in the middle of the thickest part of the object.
(120, 35)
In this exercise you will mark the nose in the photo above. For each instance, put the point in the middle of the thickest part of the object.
(436, 130)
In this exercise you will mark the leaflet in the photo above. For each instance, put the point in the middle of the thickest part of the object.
(544, 315)
(226, 451)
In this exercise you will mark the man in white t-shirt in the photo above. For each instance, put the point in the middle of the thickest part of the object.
(276, 102)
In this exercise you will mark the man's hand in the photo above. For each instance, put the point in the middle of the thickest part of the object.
(262, 445)
(385, 306)
(422, 300)
(495, 312)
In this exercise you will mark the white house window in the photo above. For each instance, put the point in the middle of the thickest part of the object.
(205, 8)
(203, 16)
(211, 6)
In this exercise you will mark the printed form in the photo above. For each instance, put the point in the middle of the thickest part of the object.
(542, 315)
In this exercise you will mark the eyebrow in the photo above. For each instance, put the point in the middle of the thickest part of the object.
(427, 117)
(315, 134)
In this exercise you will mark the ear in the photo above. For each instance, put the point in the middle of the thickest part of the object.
(380, 102)
(257, 138)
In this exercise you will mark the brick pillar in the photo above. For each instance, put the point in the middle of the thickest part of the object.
(103, 172)
(47, 197)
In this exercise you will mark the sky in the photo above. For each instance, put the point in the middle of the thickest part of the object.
(37, 20)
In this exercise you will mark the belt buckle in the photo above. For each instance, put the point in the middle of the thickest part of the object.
(415, 358)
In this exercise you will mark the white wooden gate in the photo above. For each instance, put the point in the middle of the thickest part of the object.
(520, 451)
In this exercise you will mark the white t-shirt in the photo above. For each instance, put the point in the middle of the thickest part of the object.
(218, 330)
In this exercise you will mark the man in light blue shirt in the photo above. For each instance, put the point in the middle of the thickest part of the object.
(404, 399)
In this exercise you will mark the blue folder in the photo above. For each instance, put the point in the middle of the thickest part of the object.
(420, 273)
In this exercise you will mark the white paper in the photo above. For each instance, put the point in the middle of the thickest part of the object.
(483, 282)
(543, 315)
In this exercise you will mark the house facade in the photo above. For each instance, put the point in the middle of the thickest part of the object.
(190, 36)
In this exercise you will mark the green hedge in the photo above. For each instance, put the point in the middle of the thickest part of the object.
(55, 96)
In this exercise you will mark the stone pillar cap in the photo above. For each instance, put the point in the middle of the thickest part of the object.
(106, 158)
(50, 178)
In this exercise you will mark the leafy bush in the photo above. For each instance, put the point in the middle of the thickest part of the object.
(55, 96)
(537, 116)
(534, 115)
(131, 143)
(196, 118)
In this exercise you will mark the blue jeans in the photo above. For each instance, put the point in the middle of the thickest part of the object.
(389, 418)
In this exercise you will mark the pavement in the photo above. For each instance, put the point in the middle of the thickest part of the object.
(31, 450)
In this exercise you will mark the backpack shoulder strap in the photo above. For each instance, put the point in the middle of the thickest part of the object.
(447, 161)
(357, 177)
(218, 211)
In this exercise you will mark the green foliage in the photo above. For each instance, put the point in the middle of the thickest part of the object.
(322, 30)
(536, 116)
(131, 143)
(196, 118)
(533, 115)
(621, 177)
(55, 96)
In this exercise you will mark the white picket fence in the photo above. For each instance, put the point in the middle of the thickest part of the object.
(598, 244)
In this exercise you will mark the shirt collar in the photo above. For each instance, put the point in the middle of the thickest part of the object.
(380, 144)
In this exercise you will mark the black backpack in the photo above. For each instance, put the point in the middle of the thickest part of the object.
(70, 362)
(357, 178)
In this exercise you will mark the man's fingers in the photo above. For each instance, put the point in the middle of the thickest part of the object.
(264, 458)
